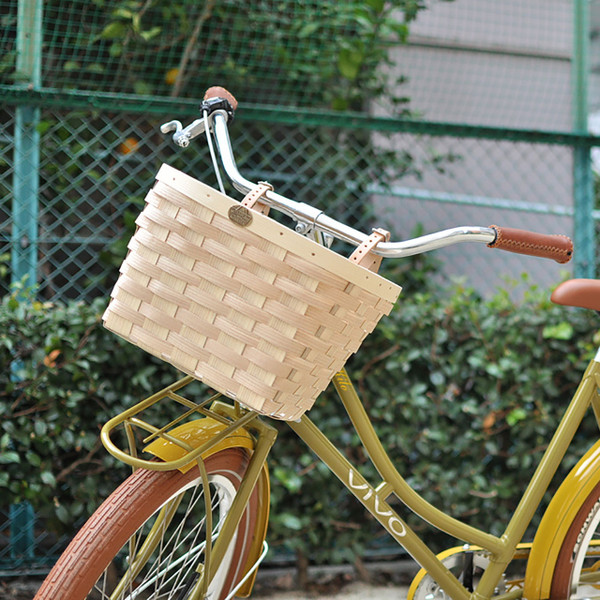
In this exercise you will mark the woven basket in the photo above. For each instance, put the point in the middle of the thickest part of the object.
(256, 311)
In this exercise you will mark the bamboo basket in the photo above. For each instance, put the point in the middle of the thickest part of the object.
(253, 309)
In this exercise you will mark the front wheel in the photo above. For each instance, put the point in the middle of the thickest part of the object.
(147, 540)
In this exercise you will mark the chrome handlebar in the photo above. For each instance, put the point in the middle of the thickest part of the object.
(310, 218)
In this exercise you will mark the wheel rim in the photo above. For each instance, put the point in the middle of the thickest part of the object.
(169, 573)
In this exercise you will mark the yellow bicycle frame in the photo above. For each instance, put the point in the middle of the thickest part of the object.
(565, 504)
(501, 549)
(229, 427)
(196, 434)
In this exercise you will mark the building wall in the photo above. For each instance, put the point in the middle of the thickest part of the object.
(594, 91)
(502, 63)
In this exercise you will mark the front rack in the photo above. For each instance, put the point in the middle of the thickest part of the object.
(179, 433)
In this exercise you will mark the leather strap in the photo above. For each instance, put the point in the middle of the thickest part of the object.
(252, 198)
(363, 254)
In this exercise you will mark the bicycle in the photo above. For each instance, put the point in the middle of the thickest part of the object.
(158, 535)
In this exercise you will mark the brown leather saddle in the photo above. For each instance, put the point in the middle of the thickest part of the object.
(584, 293)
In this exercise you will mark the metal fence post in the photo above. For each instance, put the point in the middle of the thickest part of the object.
(583, 192)
(24, 237)
(22, 541)
(27, 145)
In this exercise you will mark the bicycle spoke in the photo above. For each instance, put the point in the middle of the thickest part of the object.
(191, 554)
(165, 561)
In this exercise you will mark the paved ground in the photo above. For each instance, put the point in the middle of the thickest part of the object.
(387, 581)
(352, 591)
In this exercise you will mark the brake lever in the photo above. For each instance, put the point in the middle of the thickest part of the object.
(182, 137)
(170, 126)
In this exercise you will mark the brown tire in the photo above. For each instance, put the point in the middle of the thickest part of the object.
(95, 561)
(575, 554)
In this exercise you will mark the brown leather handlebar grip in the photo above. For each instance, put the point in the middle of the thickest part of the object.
(557, 247)
(217, 91)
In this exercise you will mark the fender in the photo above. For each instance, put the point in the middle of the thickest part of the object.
(195, 434)
(198, 432)
(556, 521)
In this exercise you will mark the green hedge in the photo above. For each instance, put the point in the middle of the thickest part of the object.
(63, 375)
(464, 392)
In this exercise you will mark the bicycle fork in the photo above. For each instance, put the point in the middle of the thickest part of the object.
(265, 436)
(185, 447)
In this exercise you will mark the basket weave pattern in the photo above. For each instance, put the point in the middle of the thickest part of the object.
(259, 313)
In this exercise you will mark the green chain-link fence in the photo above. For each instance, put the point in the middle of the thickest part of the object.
(103, 75)
(96, 168)
(430, 114)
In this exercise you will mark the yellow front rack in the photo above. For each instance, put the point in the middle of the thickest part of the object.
(186, 430)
